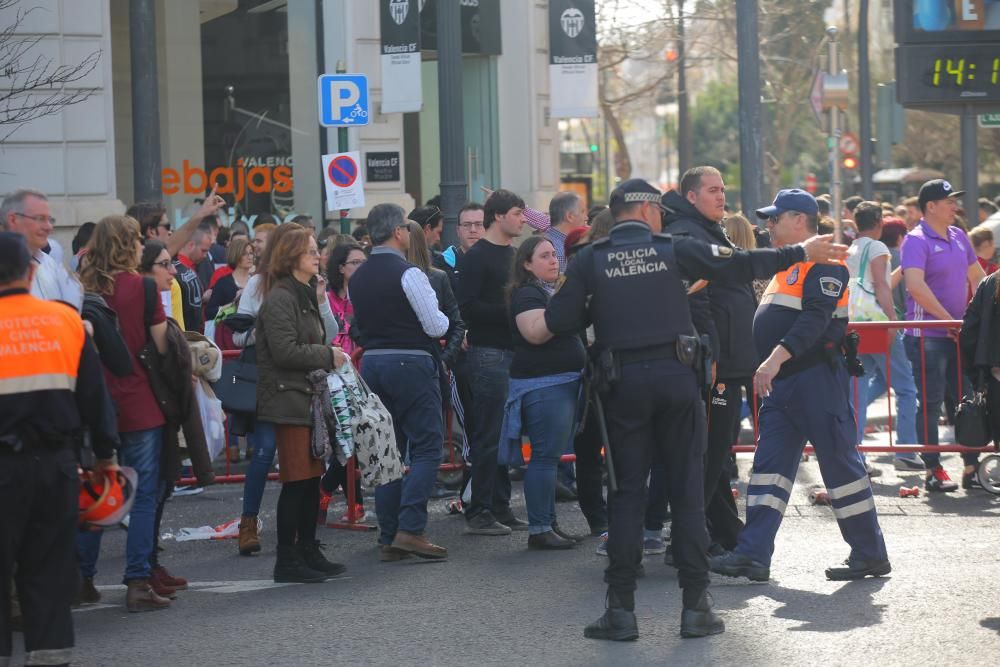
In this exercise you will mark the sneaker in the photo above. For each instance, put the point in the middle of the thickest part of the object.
(653, 546)
(905, 463)
(602, 545)
(485, 523)
(733, 564)
(188, 490)
(970, 481)
(872, 470)
(359, 512)
(939, 481)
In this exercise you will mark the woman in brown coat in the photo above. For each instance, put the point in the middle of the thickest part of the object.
(290, 344)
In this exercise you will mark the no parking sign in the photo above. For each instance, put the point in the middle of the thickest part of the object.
(344, 183)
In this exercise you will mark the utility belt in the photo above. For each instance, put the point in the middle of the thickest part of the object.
(831, 354)
(691, 351)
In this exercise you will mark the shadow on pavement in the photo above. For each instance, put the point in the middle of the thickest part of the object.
(850, 607)
(991, 623)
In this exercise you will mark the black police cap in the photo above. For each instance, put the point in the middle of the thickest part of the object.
(634, 191)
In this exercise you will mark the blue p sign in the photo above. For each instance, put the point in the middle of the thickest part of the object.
(343, 100)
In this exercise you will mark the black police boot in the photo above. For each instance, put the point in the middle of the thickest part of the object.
(858, 569)
(699, 620)
(617, 624)
(289, 568)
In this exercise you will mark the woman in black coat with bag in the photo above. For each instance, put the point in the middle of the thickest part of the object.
(979, 340)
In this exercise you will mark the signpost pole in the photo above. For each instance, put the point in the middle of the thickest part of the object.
(833, 143)
(864, 102)
(342, 147)
(970, 165)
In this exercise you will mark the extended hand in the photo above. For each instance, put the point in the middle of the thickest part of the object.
(823, 250)
(213, 202)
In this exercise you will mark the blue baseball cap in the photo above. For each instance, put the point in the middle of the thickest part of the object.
(791, 199)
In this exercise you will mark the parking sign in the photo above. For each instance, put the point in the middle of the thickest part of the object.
(343, 100)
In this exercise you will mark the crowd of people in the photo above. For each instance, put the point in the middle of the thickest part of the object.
(464, 327)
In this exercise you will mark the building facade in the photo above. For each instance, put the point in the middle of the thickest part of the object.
(238, 106)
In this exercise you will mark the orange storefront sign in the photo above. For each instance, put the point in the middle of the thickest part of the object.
(257, 179)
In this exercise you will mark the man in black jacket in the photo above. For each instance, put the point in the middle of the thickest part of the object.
(724, 310)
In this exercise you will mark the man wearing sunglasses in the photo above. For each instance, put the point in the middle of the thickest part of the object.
(26, 212)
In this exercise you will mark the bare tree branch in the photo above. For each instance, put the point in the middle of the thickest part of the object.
(32, 85)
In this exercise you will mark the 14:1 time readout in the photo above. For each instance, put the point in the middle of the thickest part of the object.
(960, 70)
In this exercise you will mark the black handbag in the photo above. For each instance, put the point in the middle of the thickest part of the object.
(237, 387)
(972, 420)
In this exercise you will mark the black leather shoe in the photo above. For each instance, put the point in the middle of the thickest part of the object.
(858, 569)
(700, 620)
(733, 564)
(572, 537)
(549, 540)
(617, 625)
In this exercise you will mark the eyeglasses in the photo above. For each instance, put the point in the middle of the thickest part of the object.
(164, 264)
(41, 218)
(312, 252)
(355, 262)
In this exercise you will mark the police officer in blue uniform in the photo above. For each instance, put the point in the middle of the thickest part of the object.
(799, 330)
(631, 287)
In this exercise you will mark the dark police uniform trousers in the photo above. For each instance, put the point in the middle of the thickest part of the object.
(632, 287)
(656, 407)
(39, 487)
(724, 406)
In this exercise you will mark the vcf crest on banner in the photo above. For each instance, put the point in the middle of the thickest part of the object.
(398, 9)
(400, 26)
(572, 21)
(573, 58)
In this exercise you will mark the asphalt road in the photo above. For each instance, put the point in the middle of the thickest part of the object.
(496, 603)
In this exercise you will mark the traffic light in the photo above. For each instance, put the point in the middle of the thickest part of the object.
(850, 162)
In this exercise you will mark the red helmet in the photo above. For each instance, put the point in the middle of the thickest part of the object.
(105, 502)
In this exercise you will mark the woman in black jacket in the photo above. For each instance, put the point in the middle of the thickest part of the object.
(980, 345)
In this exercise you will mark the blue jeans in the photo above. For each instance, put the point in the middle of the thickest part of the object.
(408, 386)
(548, 418)
(140, 450)
(940, 377)
(873, 384)
(488, 371)
(264, 445)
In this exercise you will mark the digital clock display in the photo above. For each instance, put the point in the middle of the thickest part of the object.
(961, 74)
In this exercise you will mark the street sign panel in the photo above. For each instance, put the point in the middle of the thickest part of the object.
(816, 97)
(343, 100)
(849, 144)
(989, 120)
(343, 181)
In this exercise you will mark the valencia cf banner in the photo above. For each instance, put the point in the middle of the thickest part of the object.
(400, 27)
(573, 58)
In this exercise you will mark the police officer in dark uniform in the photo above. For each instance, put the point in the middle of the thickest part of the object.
(51, 385)
(631, 286)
